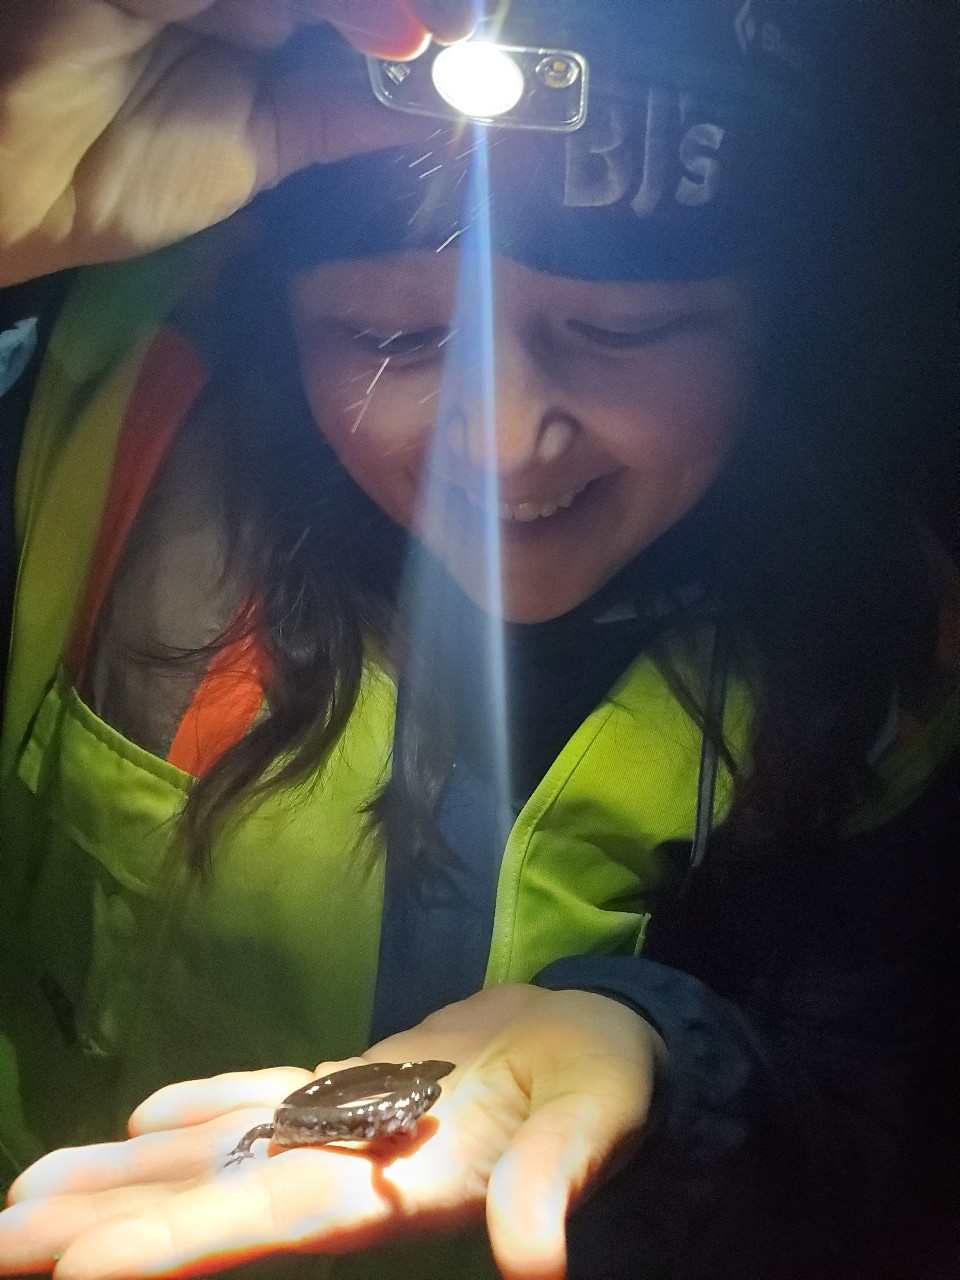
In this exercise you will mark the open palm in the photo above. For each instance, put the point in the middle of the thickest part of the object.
(551, 1090)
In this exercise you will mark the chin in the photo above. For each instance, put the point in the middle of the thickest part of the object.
(530, 602)
(539, 611)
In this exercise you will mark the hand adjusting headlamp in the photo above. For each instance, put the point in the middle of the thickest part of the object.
(512, 86)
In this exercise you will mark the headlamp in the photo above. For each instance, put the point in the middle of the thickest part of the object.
(516, 87)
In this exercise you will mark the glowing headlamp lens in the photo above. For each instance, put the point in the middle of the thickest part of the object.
(477, 79)
(512, 86)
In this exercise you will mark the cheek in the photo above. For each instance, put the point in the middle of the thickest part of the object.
(676, 414)
(378, 433)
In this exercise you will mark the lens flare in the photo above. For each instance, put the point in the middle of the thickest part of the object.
(478, 79)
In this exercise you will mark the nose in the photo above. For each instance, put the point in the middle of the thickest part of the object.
(508, 417)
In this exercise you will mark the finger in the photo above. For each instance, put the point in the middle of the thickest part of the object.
(252, 24)
(390, 30)
(316, 1197)
(330, 1065)
(161, 11)
(35, 1233)
(384, 30)
(194, 1101)
(311, 123)
(330, 1200)
(447, 20)
(160, 1157)
(527, 1200)
(554, 1157)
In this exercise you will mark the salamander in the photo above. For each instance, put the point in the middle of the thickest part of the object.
(357, 1104)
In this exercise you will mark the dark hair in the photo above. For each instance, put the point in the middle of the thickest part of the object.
(320, 561)
(821, 565)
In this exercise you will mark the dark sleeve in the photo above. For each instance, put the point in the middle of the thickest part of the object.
(806, 1126)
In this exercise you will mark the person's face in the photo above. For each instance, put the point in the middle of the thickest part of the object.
(609, 411)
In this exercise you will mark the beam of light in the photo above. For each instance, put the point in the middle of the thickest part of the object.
(468, 388)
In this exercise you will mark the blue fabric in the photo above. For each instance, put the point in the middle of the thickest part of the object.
(438, 918)
(438, 914)
(17, 346)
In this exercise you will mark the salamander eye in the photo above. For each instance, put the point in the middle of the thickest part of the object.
(407, 346)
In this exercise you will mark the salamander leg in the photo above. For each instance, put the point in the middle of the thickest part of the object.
(242, 1150)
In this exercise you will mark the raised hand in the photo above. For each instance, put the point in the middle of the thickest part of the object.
(128, 124)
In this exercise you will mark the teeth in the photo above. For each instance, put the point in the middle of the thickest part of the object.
(527, 512)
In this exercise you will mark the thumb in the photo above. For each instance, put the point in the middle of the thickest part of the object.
(316, 121)
(556, 1156)
(527, 1200)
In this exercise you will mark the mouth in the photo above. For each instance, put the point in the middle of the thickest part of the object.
(530, 510)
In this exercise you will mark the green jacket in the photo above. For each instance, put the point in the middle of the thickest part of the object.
(122, 971)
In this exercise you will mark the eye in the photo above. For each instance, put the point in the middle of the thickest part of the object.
(634, 339)
(405, 345)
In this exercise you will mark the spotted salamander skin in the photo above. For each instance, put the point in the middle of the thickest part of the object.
(357, 1104)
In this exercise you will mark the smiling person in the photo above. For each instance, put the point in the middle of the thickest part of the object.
(473, 607)
(613, 411)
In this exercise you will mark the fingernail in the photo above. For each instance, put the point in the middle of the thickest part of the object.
(449, 20)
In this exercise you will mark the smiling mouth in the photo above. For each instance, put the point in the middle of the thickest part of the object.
(528, 512)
